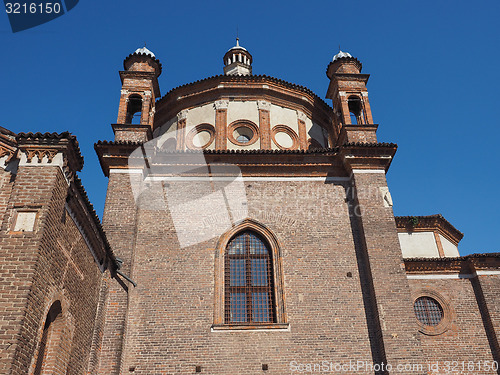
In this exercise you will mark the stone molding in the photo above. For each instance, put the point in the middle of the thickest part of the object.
(221, 104)
(263, 105)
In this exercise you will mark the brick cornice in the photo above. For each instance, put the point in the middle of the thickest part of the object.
(136, 56)
(367, 155)
(429, 223)
(294, 163)
(145, 75)
(466, 264)
(337, 161)
(8, 144)
(49, 144)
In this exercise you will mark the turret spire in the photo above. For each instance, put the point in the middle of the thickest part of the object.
(238, 61)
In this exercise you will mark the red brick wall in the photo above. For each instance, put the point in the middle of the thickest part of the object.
(172, 309)
(36, 271)
(390, 294)
(119, 221)
(465, 339)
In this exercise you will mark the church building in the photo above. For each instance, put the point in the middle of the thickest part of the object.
(248, 229)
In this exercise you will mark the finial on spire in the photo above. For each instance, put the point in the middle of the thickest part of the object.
(144, 44)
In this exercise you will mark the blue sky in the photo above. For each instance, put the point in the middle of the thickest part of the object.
(433, 85)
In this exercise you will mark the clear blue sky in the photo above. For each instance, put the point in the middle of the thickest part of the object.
(434, 88)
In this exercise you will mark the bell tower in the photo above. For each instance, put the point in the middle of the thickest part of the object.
(348, 92)
(137, 101)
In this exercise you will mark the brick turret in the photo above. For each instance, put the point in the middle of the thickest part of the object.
(139, 91)
(348, 92)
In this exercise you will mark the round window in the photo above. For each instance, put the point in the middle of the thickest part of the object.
(202, 139)
(428, 311)
(243, 134)
(284, 140)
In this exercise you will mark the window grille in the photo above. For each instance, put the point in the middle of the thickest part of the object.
(428, 311)
(249, 288)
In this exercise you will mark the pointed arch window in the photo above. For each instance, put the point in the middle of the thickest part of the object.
(249, 292)
(249, 288)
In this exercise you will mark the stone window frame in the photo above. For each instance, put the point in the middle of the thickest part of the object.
(23, 209)
(276, 258)
(245, 124)
(198, 129)
(448, 313)
(252, 274)
(287, 130)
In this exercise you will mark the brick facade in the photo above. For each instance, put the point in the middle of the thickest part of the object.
(53, 265)
(157, 304)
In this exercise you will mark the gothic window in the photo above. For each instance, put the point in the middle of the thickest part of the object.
(249, 282)
(134, 109)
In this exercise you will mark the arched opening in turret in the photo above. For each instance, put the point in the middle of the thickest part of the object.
(134, 109)
(355, 109)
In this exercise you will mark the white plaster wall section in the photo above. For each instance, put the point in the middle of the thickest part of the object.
(284, 140)
(418, 245)
(211, 146)
(284, 116)
(450, 250)
(204, 114)
(166, 131)
(242, 111)
(3, 162)
(316, 132)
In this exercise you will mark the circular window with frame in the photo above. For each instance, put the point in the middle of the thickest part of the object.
(285, 138)
(243, 132)
(200, 137)
(432, 312)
